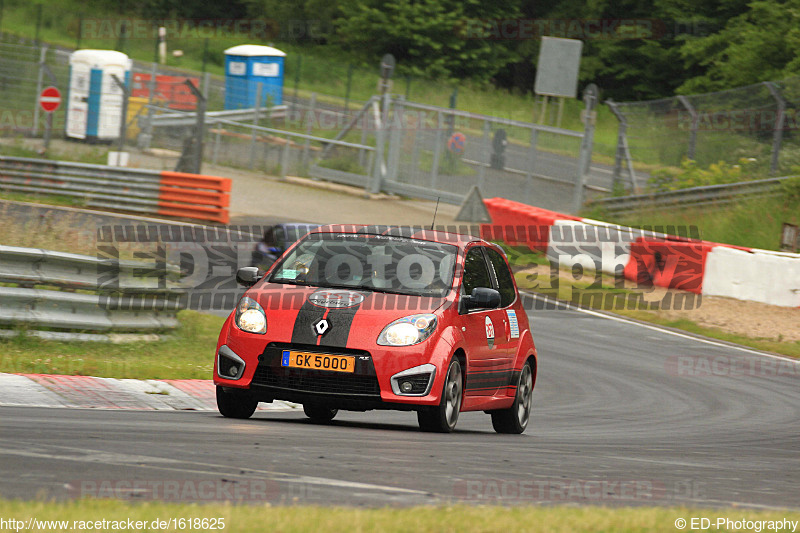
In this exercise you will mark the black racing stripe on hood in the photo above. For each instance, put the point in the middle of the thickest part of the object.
(303, 331)
(340, 321)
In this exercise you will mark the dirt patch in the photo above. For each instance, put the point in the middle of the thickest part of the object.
(751, 319)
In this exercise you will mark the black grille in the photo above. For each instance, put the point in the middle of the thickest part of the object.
(419, 383)
(312, 381)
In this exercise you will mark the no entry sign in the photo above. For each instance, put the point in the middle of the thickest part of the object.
(50, 99)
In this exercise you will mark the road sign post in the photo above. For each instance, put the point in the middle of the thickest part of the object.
(49, 100)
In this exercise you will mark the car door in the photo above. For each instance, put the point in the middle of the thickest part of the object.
(508, 341)
(484, 331)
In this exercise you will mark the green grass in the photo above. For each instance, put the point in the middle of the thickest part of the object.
(187, 354)
(455, 518)
(754, 223)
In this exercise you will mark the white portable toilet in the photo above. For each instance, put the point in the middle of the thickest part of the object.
(94, 100)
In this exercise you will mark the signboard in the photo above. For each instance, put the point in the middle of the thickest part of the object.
(50, 99)
(790, 238)
(267, 70)
(237, 68)
(558, 66)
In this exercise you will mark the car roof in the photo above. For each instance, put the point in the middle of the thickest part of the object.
(411, 232)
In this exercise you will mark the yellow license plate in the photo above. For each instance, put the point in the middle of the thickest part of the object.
(318, 361)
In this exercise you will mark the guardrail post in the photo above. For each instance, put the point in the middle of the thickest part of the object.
(253, 137)
(693, 134)
(590, 95)
(777, 135)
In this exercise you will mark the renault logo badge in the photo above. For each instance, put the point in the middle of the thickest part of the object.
(321, 326)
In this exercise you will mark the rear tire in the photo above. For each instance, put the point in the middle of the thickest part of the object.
(443, 418)
(319, 413)
(235, 404)
(514, 420)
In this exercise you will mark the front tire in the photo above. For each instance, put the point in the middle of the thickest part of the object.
(514, 420)
(319, 413)
(235, 404)
(443, 418)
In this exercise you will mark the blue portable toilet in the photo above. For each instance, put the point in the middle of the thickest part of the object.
(246, 66)
(94, 100)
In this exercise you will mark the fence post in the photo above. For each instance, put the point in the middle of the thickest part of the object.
(379, 169)
(777, 134)
(39, 79)
(217, 138)
(206, 81)
(622, 151)
(256, 110)
(486, 154)
(437, 150)
(531, 165)
(347, 90)
(693, 135)
(123, 123)
(147, 135)
(585, 159)
(199, 127)
(309, 127)
(396, 121)
(285, 157)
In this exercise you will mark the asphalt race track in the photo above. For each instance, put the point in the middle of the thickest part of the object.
(624, 414)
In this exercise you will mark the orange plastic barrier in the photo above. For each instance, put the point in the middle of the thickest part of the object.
(520, 224)
(676, 264)
(194, 196)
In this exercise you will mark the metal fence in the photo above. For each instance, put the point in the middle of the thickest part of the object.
(757, 122)
(69, 292)
(694, 196)
(385, 144)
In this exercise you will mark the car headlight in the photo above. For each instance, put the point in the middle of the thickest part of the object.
(408, 330)
(250, 316)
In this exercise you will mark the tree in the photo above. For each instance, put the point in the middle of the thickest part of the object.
(436, 38)
(758, 45)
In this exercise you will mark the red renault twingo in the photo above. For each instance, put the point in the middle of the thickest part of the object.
(360, 318)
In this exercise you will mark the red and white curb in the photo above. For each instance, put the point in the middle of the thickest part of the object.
(46, 390)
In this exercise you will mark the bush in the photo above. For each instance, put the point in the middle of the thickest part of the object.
(691, 174)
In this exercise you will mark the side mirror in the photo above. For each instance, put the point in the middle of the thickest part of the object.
(248, 276)
(482, 298)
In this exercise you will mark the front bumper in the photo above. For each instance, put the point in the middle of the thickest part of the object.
(369, 386)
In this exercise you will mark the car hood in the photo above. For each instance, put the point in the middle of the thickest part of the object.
(354, 318)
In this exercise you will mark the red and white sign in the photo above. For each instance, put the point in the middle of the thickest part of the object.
(489, 332)
(50, 99)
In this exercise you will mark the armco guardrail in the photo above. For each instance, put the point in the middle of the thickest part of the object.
(116, 296)
(189, 118)
(709, 194)
(143, 191)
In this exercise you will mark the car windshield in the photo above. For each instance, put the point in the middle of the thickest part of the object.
(378, 263)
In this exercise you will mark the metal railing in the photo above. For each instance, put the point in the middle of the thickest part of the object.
(71, 292)
(119, 188)
(695, 196)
